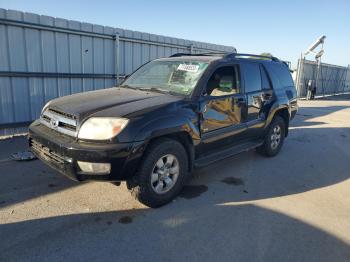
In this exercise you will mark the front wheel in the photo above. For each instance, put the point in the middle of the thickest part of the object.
(274, 138)
(162, 173)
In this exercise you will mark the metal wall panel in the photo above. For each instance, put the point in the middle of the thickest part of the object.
(43, 57)
(333, 79)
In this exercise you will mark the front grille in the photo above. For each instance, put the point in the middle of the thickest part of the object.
(60, 113)
(46, 154)
(68, 126)
(60, 121)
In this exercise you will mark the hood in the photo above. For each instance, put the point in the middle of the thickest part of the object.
(117, 102)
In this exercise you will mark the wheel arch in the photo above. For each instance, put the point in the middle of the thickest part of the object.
(283, 112)
(180, 129)
(183, 138)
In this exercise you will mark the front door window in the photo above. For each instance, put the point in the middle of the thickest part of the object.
(220, 109)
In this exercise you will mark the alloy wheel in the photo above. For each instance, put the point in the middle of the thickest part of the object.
(276, 137)
(165, 173)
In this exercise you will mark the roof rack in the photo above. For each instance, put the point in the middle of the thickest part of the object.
(240, 55)
(228, 55)
(201, 54)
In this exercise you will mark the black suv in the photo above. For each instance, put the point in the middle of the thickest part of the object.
(170, 116)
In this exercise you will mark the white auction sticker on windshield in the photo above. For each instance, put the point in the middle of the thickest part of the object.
(188, 68)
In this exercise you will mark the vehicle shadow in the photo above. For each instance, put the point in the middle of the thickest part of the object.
(23, 180)
(311, 158)
(206, 231)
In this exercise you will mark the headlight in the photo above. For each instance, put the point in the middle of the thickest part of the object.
(102, 128)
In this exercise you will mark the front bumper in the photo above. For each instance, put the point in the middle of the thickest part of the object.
(62, 152)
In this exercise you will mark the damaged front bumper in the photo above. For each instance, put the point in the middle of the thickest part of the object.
(62, 153)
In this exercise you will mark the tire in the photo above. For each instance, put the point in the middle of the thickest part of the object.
(269, 148)
(146, 188)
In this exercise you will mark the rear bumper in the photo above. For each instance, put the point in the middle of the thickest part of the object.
(62, 152)
(293, 109)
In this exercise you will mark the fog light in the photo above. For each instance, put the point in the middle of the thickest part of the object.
(95, 168)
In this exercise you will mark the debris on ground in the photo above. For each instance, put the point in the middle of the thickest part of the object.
(236, 181)
(23, 156)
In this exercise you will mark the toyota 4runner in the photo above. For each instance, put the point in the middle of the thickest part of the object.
(170, 116)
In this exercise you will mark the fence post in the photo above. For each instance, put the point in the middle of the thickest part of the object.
(300, 75)
(117, 56)
(297, 80)
(191, 48)
(346, 79)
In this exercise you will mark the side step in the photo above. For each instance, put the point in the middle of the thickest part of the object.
(225, 153)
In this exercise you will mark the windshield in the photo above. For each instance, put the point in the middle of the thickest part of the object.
(178, 77)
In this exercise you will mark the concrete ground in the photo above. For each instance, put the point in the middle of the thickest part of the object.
(294, 207)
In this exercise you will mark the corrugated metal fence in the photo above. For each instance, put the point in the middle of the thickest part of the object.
(332, 79)
(43, 57)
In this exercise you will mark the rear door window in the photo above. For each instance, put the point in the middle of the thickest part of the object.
(252, 77)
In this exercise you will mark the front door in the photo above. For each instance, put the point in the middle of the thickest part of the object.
(221, 106)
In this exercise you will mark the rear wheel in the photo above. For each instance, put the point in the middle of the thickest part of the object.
(162, 173)
(274, 138)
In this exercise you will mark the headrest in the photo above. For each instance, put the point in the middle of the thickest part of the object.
(226, 82)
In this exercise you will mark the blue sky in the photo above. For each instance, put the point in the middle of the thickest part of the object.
(283, 28)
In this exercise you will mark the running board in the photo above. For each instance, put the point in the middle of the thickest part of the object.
(225, 153)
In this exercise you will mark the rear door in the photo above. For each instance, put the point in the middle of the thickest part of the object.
(257, 88)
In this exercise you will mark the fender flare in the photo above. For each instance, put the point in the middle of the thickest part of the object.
(167, 125)
(274, 109)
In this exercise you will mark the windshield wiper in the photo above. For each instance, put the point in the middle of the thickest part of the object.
(154, 89)
(163, 91)
(146, 89)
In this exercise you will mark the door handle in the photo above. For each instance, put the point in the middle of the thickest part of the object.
(266, 96)
(241, 101)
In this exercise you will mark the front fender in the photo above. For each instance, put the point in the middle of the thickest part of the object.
(170, 124)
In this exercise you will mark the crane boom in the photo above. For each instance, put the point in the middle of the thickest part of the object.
(312, 47)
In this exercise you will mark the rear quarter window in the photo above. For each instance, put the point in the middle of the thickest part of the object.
(279, 74)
